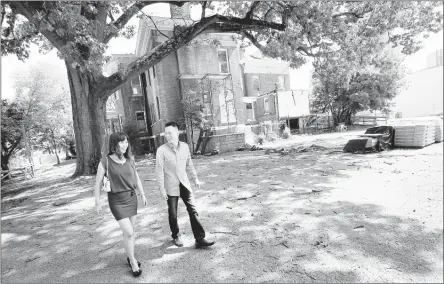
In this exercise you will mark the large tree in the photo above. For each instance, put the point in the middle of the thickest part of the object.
(287, 30)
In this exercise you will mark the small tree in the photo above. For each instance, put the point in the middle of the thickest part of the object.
(356, 79)
(11, 131)
(39, 116)
(194, 117)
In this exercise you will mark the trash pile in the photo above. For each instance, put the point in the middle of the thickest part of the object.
(247, 147)
(295, 150)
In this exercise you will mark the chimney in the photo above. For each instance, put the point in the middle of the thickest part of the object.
(180, 12)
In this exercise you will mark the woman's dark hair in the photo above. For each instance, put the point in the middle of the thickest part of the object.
(114, 140)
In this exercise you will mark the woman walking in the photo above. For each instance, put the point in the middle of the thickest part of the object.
(119, 167)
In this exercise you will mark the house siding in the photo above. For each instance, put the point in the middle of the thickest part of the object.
(267, 83)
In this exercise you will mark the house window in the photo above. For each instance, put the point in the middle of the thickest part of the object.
(206, 97)
(281, 82)
(255, 83)
(266, 106)
(140, 121)
(222, 57)
(250, 111)
(135, 86)
(152, 113)
(227, 112)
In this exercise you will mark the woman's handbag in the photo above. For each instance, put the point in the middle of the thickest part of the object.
(106, 186)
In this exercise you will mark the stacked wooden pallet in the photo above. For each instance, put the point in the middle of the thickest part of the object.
(416, 135)
(438, 130)
(417, 132)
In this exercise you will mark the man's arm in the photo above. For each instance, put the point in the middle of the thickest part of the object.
(190, 168)
(160, 174)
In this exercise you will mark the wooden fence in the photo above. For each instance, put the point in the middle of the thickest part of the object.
(370, 120)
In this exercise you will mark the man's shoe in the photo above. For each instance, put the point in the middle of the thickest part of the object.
(203, 243)
(178, 242)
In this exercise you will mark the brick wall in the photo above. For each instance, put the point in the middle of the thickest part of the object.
(202, 59)
(168, 92)
(225, 142)
(260, 108)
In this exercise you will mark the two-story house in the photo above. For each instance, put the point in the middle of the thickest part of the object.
(233, 90)
(268, 97)
(208, 68)
(262, 77)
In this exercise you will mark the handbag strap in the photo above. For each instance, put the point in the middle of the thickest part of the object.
(107, 167)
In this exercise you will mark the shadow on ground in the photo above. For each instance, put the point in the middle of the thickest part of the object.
(274, 218)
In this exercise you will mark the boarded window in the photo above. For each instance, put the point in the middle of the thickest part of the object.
(281, 82)
(255, 83)
(135, 86)
(227, 112)
(222, 56)
(266, 105)
(158, 107)
(249, 105)
(149, 77)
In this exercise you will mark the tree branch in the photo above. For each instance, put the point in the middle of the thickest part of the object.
(155, 26)
(222, 23)
(249, 14)
(253, 40)
(28, 12)
(130, 12)
(204, 6)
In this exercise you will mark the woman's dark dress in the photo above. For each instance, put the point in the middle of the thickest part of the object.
(122, 199)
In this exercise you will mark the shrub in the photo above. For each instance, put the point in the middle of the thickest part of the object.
(260, 139)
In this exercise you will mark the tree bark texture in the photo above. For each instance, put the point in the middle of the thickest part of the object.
(88, 119)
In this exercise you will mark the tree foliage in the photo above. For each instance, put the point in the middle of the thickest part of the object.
(40, 112)
(347, 82)
(288, 30)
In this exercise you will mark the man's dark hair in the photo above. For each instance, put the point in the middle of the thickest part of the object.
(172, 123)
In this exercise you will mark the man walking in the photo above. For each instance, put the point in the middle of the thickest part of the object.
(173, 161)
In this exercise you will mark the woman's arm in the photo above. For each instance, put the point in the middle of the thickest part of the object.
(98, 184)
(139, 185)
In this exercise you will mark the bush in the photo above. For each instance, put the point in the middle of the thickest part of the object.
(286, 133)
(260, 139)
(271, 138)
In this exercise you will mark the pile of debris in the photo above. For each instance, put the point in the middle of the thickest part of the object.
(299, 149)
(247, 147)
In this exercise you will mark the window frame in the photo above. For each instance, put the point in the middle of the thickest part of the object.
(266, 106)
(253, 79)
(227, 62)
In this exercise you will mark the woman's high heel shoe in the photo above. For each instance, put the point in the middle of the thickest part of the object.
(135, 273)
(129, 263)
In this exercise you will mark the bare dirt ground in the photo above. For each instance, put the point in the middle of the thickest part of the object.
(315, 216)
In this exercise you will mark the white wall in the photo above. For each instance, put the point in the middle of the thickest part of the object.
(423, 95)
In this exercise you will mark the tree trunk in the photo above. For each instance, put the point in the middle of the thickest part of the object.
(88, 120)
(5, 164)
(58, 158)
